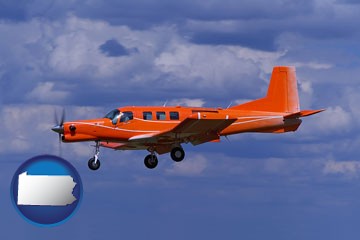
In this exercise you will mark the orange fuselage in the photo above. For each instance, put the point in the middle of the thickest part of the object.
(104, 130)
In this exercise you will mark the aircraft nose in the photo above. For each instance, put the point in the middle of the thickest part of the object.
(58, 129)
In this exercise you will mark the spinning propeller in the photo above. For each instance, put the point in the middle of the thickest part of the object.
(59, 128)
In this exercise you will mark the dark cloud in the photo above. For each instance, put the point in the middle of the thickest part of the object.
(12, 10)
(145, 13)
(163, 11)
(24, 10)
(112, 48)
(260, 23)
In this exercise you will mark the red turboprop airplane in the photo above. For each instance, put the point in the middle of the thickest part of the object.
(163, 129)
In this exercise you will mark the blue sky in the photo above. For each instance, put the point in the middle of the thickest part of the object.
(93, 56)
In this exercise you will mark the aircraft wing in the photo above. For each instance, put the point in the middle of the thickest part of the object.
(198, 128)
(203, 127)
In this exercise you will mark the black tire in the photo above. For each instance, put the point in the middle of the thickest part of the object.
(177, 154)
(151, 161)
(92, 165)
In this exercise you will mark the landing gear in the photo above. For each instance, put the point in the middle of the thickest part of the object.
(177, 154)
(93, 165)
(94, 162)
(151, 161)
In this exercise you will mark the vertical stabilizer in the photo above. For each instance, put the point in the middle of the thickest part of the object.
(282, 95)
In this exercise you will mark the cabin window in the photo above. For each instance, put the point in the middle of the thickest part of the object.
(126, 116)
(160, 116)
(147, 115)
(174, 115)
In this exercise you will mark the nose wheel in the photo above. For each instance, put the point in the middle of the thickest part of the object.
(151, 161)
(94, 162)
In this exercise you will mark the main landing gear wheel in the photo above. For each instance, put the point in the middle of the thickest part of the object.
(177, 154)
(151, 161)
(94, 165)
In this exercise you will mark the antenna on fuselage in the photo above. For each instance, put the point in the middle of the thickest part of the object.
(229, 105)
(165, 103)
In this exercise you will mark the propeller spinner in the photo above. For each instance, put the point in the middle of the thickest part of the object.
(59, 127)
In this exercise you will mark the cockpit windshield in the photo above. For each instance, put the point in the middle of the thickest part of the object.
(113, 115)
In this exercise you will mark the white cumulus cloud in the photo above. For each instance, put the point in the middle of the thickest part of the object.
(45, 93)
(347, 168)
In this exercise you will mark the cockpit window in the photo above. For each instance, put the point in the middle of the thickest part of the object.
(126, 116)
(113, 116)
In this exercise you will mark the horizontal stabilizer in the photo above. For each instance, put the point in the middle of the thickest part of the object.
(303, 113)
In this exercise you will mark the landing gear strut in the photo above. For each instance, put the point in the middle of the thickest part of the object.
(94, 162)
(151, 161)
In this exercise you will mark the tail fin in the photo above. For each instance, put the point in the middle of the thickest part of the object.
(282, 95)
